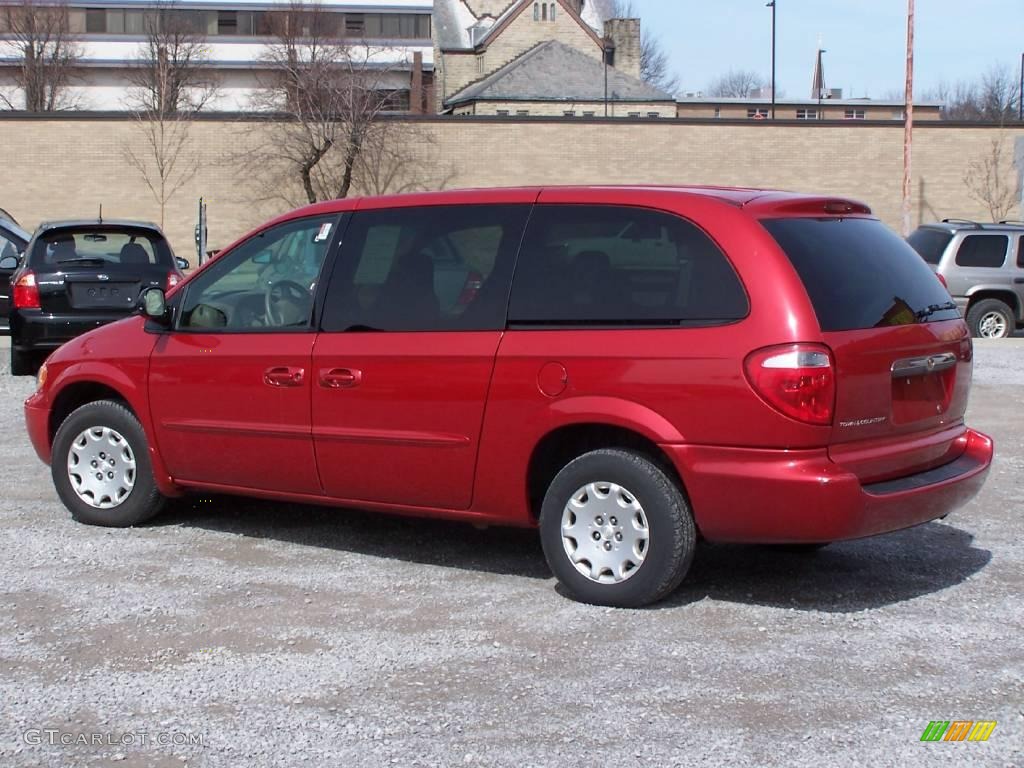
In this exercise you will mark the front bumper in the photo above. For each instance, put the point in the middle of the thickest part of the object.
(773, 496)
(37, 424)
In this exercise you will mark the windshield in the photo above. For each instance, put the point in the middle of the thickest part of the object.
(930, 243)
(109, 247)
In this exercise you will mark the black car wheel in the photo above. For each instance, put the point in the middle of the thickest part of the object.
(24, 363)
(100, 467)
(616, 529)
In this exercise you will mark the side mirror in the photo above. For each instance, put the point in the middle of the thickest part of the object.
(182, 263)
(153, 304)
(9, 262)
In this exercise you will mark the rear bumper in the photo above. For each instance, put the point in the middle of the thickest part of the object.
(38, 330)
(764, 496)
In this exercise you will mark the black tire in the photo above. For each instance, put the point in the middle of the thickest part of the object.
(672, 534)
(142, 500)
(984, 309)
(24, 363)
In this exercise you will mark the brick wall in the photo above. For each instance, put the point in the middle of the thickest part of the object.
(66, 167)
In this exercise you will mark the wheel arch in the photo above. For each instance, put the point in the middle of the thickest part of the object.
(562, 444)
(999, 293)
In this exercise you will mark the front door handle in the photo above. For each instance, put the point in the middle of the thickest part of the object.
(1018, 280)
(283, 376)
(340, 378)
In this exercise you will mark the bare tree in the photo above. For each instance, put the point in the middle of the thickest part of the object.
(737, 83)
(991, 179)
(990, 99)
(38, 36)
(655, 65)
(170, 83)
(329, 94)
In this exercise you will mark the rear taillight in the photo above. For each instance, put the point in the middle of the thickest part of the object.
(942, 280)
(474, 282)
(26, 292)
(798, 380)
(173, 278)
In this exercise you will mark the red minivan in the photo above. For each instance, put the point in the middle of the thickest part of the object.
(627, 369)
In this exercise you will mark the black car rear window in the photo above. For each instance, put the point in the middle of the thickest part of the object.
(860, 274)
(113, 248)
(930, 243)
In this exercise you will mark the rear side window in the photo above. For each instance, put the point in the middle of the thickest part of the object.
(982, 251)
(930, 243)
(1020, 252)
(620, 266)
(860, 274)
(107, 247)
(440, 268)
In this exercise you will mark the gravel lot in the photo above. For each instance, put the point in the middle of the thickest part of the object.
(283, 635)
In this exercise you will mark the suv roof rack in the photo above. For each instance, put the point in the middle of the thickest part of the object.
(1015, 222)
(974, 224)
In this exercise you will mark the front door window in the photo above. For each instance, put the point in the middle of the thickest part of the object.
(264, 284)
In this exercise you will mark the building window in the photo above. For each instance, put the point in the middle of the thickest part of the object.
(718, 111)
(654, 115)
(502, 113)
(544, 11)
(807, 114)
(536, 11)
(522, 113)
(552, 11)
(634, 114)
(854, 114)
(569, 113)
(589, 114)
(757, 114)
(95, 20)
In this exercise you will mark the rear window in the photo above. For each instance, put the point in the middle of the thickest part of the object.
(982, 251)
(621, 266)
(106, 247)
(930, 243)
(860, 274)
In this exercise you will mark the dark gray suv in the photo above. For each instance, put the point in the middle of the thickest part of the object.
(982, 265)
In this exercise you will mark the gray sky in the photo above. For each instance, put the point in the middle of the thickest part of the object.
(865, 40)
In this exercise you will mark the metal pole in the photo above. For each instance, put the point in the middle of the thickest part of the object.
(772, 6)
(908, 125)
(1020, 96)
(604, 52)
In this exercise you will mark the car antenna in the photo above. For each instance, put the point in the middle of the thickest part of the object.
(100, 220)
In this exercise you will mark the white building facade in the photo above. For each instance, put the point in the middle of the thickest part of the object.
(394, 35)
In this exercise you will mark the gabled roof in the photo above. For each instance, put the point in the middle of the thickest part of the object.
(554, 71)
(453, 20)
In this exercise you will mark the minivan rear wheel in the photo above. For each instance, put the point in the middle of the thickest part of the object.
(100, 467)
(990, 319)
(616, 529)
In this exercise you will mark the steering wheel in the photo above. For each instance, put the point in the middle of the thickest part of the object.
(284, 291)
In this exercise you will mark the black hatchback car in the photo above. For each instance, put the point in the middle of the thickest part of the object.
(78, 275)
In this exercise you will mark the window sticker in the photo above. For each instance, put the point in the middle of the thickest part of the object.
(325, 231)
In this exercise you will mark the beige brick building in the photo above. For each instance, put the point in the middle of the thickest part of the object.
(525, 57)
(864, 161)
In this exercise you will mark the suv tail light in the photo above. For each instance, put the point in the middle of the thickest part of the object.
(942, 280)
(797, 380)
(26, 292)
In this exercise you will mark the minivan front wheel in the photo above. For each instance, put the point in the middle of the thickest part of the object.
(990, 319)
(100, 467)
(616, 529)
